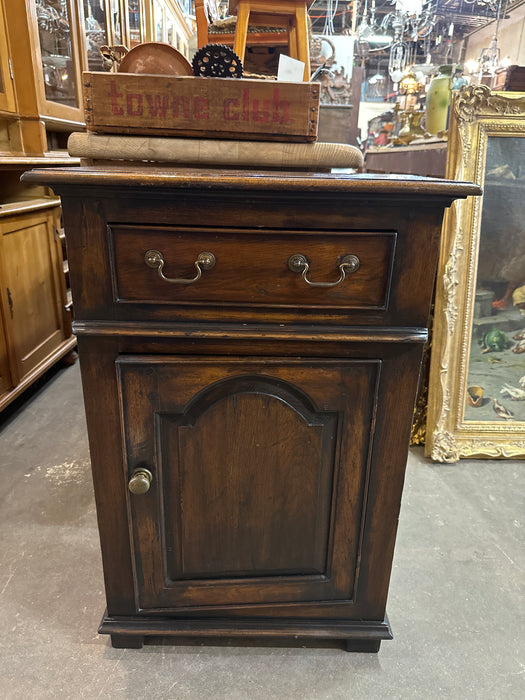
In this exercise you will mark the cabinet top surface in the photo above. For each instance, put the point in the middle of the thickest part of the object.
(150, 177)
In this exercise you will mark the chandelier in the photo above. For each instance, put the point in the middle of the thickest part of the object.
(489, 59)
(411, 21)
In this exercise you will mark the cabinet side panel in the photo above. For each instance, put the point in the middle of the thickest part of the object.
(397, 395)
(101, 400)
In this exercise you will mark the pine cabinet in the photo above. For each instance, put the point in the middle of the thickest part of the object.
(5, 374)
(250, 348)
(36, 329)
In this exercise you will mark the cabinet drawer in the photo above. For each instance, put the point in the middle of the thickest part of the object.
(252, 267)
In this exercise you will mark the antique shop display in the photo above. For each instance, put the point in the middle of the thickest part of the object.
(57, 40)
(293, 14)
(46, 44)
(258, 31)
(511, 78)
(477, 379)
(438, 101)
(39, 77)
(250, 345)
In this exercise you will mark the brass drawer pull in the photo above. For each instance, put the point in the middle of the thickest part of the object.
(205, 261)
(299, 263)
(140, 481)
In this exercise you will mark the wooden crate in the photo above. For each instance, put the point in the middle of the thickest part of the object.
(510, 79)
(126, 103)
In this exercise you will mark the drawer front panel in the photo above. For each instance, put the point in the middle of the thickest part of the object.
(252, 267)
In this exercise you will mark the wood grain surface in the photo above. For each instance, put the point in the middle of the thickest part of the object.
(274, 419)
(212, 152)
(126, 103)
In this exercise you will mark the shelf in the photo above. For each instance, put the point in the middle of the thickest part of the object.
(10, 208)
(54, 159)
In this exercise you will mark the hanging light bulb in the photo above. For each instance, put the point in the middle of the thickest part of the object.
(472, 66)
(410, 7)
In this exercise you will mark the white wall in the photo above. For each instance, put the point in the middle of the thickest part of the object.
(511, 38)
(369, 110)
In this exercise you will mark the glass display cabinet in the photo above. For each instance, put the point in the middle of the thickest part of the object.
(58, 58)
(7, 97)
(168, 23)
(135, 17)
(95, 32)
(131, 22)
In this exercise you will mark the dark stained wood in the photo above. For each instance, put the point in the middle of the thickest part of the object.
(125, 641)
(264, 499)
(428, 159)
(252, 267)
(403, 186)
(274, 418)
(274, 210)
(204, 332)
(367, 646)
(97, 364)
(350, 630)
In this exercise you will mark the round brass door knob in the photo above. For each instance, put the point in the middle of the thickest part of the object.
(140, 481)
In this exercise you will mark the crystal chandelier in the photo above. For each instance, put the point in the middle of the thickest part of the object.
(411, 21)
(489, 58)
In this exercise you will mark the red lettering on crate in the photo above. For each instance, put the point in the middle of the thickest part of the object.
(168, 108)
(180, 101)
(133, 110)
(158, 105)
(201, 108)
(115, 108)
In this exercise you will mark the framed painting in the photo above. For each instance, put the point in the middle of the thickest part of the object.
(476, 401)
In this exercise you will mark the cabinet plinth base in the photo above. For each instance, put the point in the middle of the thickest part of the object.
(126, 641)
(364, 646)
(358, 635)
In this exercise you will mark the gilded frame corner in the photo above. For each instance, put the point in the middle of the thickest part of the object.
(476, 114)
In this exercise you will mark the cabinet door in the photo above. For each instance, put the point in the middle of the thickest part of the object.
(135, 23)
(5, 375)
(95, 19)
(31, 292)
(259, 476)
(57, 43)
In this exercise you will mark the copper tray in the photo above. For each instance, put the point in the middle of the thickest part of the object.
(155, 58)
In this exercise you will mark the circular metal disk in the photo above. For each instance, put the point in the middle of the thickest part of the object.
(217, 61)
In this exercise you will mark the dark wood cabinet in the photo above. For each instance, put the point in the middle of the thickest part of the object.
(249, 430)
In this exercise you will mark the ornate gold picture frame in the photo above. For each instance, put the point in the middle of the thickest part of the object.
(476, 402)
